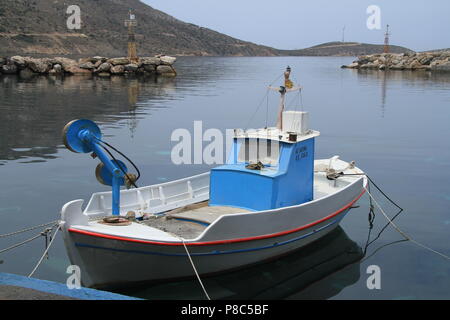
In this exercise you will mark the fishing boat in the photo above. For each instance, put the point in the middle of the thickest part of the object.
(271, 197)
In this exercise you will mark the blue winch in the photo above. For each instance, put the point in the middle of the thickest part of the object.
(84, 136)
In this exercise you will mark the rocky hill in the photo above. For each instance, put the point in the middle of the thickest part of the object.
(343, 49)
(39, 28)
(31, 27)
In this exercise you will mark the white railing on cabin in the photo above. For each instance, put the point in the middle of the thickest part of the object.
(155, 198)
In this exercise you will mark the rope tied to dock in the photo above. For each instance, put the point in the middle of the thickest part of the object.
(195, 269)
(28, 229)
(45, 254)
(20, 243)
(43, 233)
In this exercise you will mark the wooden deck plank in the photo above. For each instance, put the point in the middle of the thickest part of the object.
(206, 214)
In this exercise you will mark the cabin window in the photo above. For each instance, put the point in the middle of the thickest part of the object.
(254, 150)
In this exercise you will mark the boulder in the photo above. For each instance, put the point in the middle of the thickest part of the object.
(426, 59)
(398, 66)
(57, 68)
(378, 63)
(84, 60)
(415, 64)
(10, 68)
(104, 67)
(363, 59)
(87, 65)
(65, 62)
(383, 58)
(97, 64)
(363, 66)
(119, 69)
(2, 61)
(151, 61)
(150, 68)
(167, 60)
(39, 65)
(98, 58)
(165, 70)
(119, 61)
(19, 61)
(435, 62)
(369, 65)
(353, 65)
(131, 67)
(444, 67)
(77, 70)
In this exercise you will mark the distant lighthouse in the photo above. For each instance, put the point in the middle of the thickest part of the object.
(131, 23)
(386, 40)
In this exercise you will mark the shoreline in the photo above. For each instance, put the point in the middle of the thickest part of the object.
(426, 61)
(25, 66)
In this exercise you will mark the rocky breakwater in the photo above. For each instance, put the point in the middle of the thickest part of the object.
(428, 61)
(99, 66)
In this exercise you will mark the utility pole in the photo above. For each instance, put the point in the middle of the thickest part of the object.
(131, 23)
(386, 40)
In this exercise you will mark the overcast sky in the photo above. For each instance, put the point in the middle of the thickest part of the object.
(292, 24)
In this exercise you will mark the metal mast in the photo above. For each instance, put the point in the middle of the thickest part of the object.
(386, 40)
(132, 50)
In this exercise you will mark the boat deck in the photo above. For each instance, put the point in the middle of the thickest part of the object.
(180, 209)
(190, 221)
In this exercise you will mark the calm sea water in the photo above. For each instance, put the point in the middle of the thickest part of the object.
(395, 125)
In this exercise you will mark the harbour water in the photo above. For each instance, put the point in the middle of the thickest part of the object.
(395, 125)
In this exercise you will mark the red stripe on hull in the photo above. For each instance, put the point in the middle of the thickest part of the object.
(266, 236)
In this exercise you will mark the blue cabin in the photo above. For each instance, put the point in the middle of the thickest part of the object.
(267, 168)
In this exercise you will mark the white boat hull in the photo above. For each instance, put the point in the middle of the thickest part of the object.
(115, 263)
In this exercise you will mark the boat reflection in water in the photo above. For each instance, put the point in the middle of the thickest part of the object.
(302, 274)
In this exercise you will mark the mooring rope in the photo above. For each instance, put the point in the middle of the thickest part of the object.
(195, 269)
(20, 243)
(45, 252)
(406, 236)
(43, 233)
(334, 175)
(28, 229)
